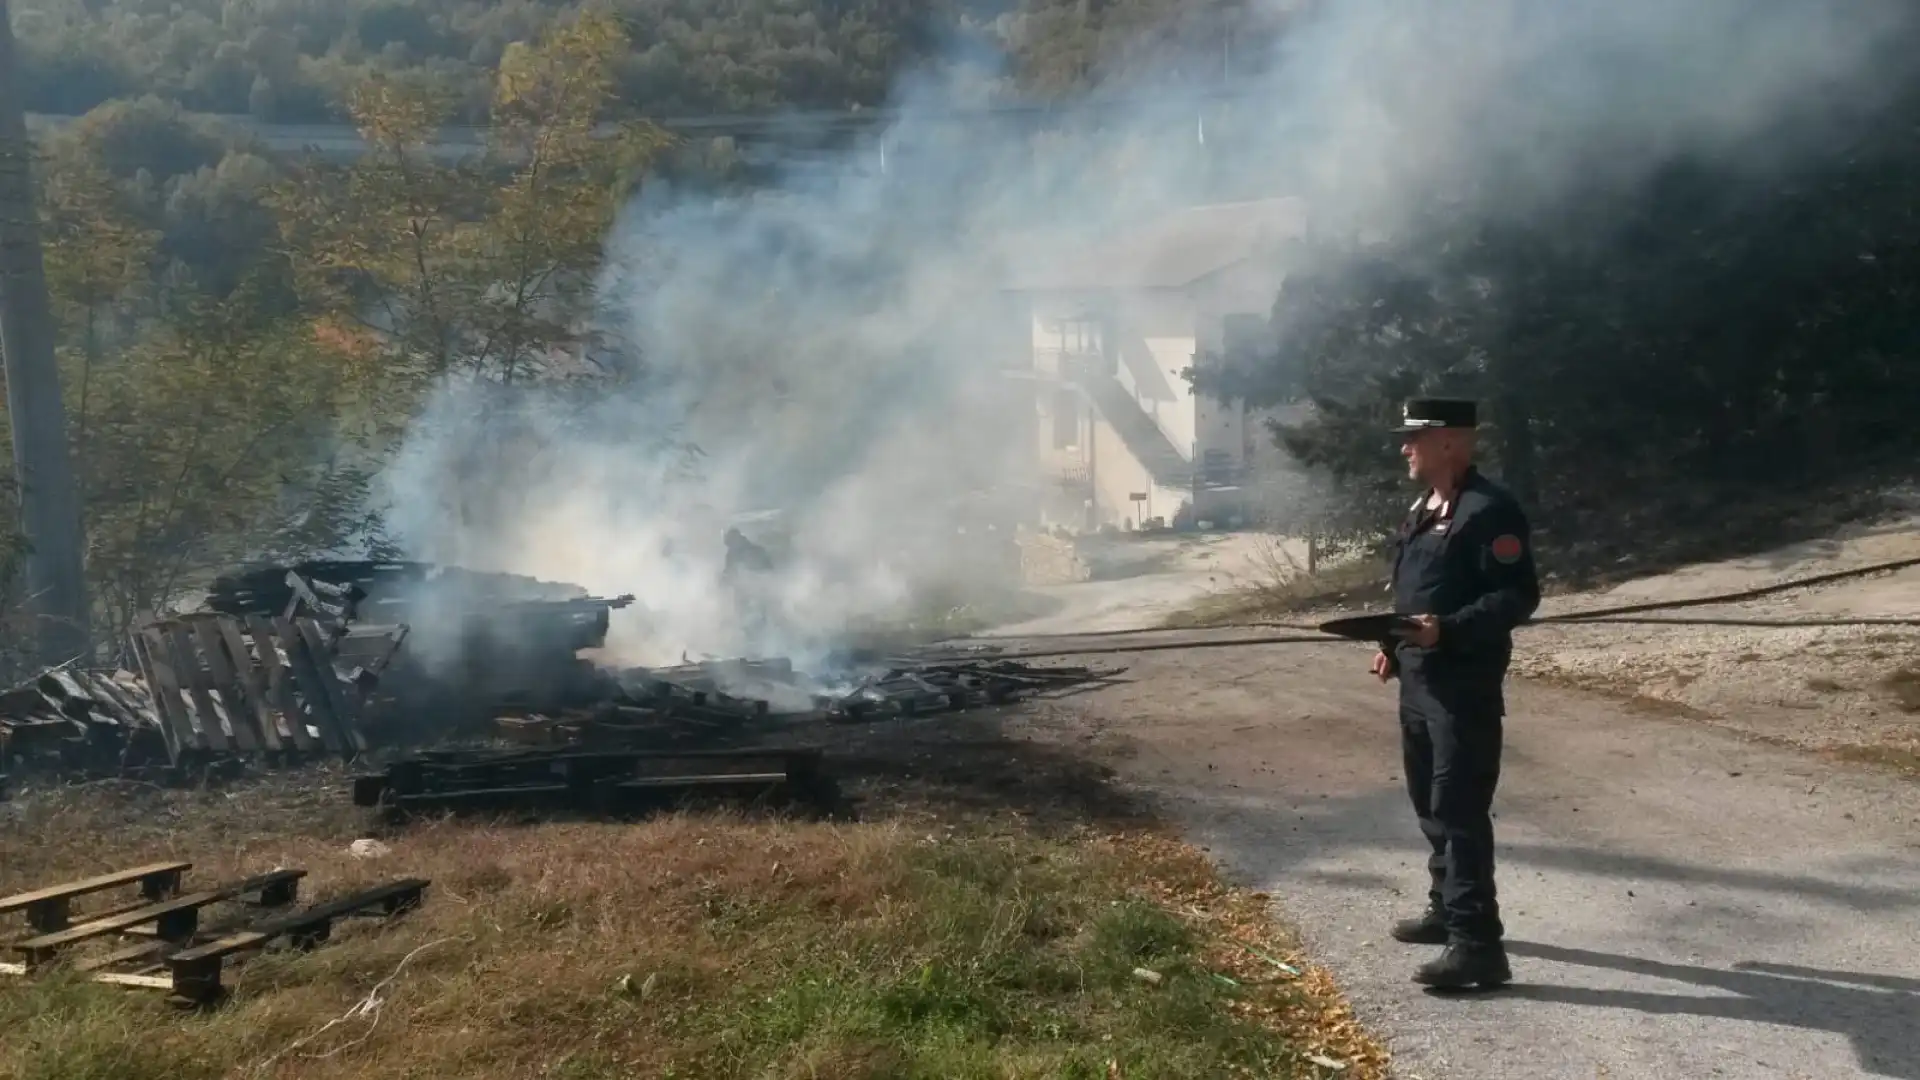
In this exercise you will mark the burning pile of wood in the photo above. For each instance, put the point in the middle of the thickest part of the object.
(203, 687)
(726, 699)
(290, 663)
(904, 689)
(478, 642)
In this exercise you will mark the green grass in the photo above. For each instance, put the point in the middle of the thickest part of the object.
(746, 950)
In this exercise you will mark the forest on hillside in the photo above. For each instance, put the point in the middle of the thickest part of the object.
(293, 61)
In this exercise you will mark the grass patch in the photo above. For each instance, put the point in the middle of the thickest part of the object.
(719, 949)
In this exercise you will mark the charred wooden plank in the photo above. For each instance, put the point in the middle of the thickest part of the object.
(195, 972)
(150, 651)
(279, 684)
(248, 681)
(138, 706)
(102, 707)
(308, 683)
(338, 699)
(224, 681)
(187, 668)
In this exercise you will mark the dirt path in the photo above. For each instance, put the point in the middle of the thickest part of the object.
(1682, 902)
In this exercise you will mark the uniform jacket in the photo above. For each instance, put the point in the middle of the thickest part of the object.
(1473, 567)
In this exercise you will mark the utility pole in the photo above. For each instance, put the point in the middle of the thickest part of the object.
(49, 502)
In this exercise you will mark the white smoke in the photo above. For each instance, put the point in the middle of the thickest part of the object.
(833, 346)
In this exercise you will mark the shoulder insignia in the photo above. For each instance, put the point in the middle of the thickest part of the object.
(1507, 548)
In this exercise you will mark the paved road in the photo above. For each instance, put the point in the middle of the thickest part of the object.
(1680, 902)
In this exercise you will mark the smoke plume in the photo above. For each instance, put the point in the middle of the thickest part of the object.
(833, 347)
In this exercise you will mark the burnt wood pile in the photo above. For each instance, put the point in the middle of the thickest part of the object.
(603, 782)
(478, 643)
(716, 702)
(174, 937)
(204, 688)
(899, 686)
(320, 659)
(907, 689)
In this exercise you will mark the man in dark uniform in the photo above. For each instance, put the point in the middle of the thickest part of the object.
(1463, 573)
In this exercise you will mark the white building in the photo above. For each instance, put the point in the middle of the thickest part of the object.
(1122, 435)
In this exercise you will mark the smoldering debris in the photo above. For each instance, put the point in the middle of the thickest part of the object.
(290, 665)
(203, 690)
(741, 700)
(473, 638)
(286, 665)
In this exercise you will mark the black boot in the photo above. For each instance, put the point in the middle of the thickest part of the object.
(1429, 928)
(1463, 966)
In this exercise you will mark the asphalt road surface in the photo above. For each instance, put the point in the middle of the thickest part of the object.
(1679, 901)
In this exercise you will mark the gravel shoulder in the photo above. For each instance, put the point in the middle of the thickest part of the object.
(1848, 690)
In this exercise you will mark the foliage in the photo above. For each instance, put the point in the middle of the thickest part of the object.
(206, 444)
(199, 185)
(241, 338)
(294, 61)
(482, 269)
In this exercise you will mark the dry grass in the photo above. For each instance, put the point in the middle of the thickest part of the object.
(689, 947)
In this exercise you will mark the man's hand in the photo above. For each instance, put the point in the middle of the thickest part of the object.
(1424, 632)
(1382, 666)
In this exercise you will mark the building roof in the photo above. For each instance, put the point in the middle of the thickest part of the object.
(1172, 253)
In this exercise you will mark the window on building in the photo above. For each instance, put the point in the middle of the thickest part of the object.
(1066, 419)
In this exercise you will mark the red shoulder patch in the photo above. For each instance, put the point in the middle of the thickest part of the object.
(1507, 548)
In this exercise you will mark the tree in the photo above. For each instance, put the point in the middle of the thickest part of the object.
(483, 269)
(212, 447)
(49, 507)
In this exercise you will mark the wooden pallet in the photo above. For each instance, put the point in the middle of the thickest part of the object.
(167, 941)
(162, 913)
(194, 974)
(598, 781)
(225, 684)
(50, 910)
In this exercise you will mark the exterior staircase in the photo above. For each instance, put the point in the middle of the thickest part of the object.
(1143, 438)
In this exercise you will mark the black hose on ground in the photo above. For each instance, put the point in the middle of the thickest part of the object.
(1737, 597)
(1600, 616)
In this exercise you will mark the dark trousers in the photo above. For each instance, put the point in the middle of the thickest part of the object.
(1453, 765)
